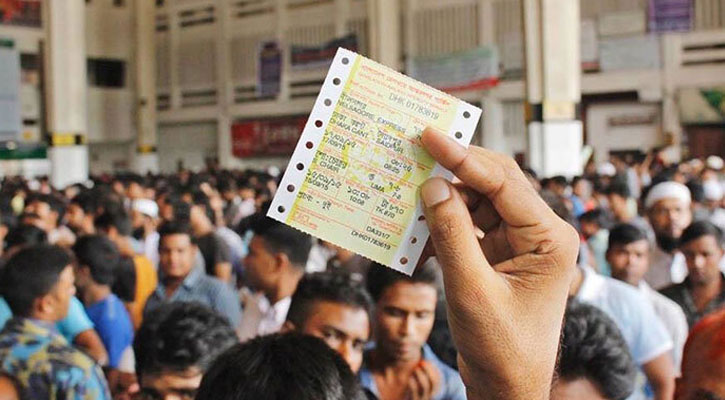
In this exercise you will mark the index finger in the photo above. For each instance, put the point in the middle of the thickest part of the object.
(494, 175)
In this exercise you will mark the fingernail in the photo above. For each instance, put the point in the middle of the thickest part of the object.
(435, 191)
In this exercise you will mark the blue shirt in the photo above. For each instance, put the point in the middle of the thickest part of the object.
(113, 326)
(45, 364)
(452, 387)
(74, 323)
(201, 288)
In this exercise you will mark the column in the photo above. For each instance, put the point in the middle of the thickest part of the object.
(493, 136)
(224, 85)
(65, 91)
(147, 159)
(385, 31)
(553, 76)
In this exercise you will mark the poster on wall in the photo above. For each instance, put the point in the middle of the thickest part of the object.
(273, 137)
(308, 57)
(269, 69)
(20, 12)
(670, 15)
(466, 70)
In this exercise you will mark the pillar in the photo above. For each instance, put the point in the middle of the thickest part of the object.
(553, 76)
(384, 30)
(493, 136)
(65, 91)
(147, 159)
(224, 85)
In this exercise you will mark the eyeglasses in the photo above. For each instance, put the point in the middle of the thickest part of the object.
(152, 394)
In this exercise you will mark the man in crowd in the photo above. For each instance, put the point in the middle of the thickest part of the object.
(668, 210)
(622, 205)
(50, 211)
(97, 258)
(703, 365)
(81, 212)
(594, 362)
(275, 264)
(180, 281)
(703, 291)
(334, 307)
(401, 364)
(628, 254)
(37, 284)
(176, 347)
(144, 220)
(280, 366)
(216, 252)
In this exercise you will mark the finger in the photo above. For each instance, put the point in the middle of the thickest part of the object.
(413, 389)
(424, 382)
(482, 212)
(433, 376)
(492, 174)
(465, 270)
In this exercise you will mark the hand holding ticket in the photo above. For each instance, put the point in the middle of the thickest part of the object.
(354, 177)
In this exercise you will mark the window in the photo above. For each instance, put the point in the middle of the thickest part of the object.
(104, 72)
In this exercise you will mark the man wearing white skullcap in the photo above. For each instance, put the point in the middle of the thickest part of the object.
(144, 218)
(669, 213)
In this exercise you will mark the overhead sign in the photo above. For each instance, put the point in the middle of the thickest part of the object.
(20, 12)
(273, 137)
(466, 70)
(670, 15)
(269, 69)
(305, 57)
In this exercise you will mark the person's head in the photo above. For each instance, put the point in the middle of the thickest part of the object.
(81, 211)
(24, 235)
(48, 208)
(177, 249)
(201, 212)
(114, 223)
(702, 245)
(628, 253)
(336, 308)
(144, 213)
(97, 258)
(592, 221)
(404, 309)
(668, 209)
(277, 253)
(176, 347)
(703, 361)
(38, 282)
(582, 188)
(618, 195)
(557, 184)
(594, 360)
(135, 187)
(278, 367)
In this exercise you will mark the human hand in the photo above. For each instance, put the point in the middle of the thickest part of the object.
(506, 293)
(424, 382)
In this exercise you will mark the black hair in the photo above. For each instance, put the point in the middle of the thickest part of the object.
(117, 218)
(180, 336)
(25, 235)
(279, 367)
(56, 204)
(281, 238)
(381, 277)
(30, 274)
(697, 191)
(618, 187)
(597, 216)
(100, 255)
(699, 229)
(624, 234)
(557, 204)
(200, 199)
(558, 180)
(336, 287)
(593, 348)
(175, 228)
(87, 201)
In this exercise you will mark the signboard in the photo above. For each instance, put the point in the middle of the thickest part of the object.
(274, 137)
(670, 15)
(306, 57)
(702, 106)
(466, 70)
(20, 12)
(269, 69)
(635, 52)
(10, 119)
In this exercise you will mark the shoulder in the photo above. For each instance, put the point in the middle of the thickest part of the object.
(673, 291)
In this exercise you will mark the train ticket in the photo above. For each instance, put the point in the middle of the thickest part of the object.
(354, 177)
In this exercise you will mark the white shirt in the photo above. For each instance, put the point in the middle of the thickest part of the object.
(665, 269)
(260, 317)
(672, 317)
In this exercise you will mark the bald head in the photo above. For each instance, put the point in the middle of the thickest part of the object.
(703, 363)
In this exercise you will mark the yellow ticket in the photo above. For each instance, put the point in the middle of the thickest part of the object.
(354, 176)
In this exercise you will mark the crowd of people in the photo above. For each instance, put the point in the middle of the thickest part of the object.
(179, 287)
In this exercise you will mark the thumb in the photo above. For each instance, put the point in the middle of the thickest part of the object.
(454, 239)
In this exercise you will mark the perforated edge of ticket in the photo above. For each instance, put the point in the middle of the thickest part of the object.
(416, 232)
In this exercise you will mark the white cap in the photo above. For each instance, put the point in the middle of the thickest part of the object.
(146, 207)
(715, 162)
(713, 190)
(667, 190)
(606, 169)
